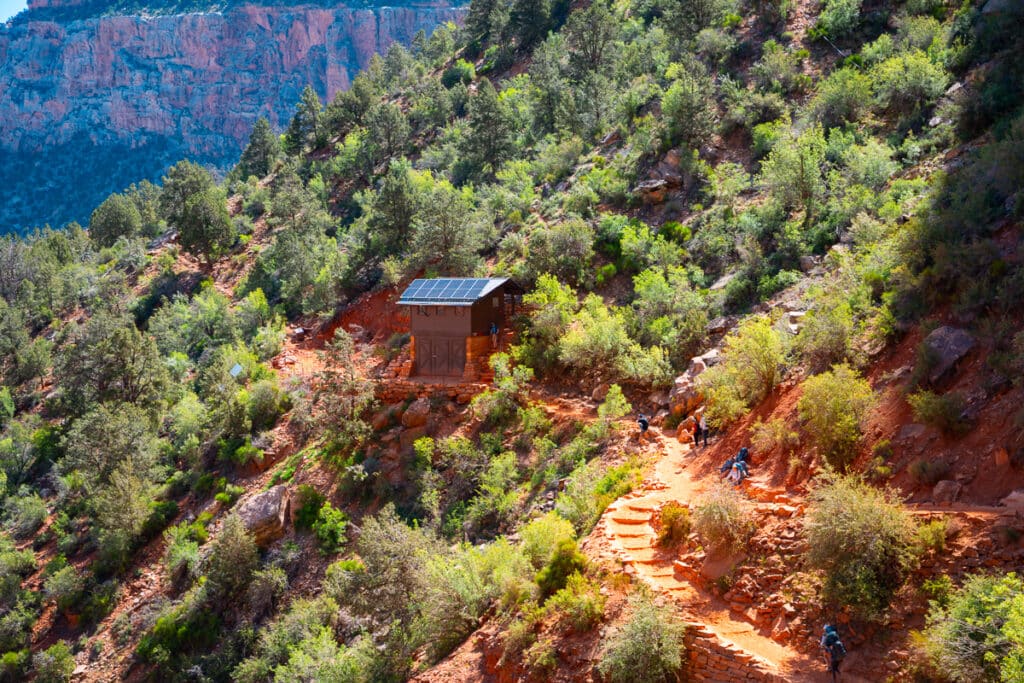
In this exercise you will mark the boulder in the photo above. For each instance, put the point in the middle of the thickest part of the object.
(720, 324)
(417, 413)
(652, 191)
(1002, 457)
(685, 396)
(599, 392)
(948, 345)
(946, 491)
(264, 515)
(658, 398)
(1014, 501)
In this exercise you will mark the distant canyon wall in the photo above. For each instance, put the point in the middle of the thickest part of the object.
(181, 85)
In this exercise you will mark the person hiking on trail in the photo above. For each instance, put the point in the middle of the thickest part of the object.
(738, 472)
(726, 467)
(696, 432)
(703, 427)
(644, 423)
(834, 650)
(494, 335)
(744, 455)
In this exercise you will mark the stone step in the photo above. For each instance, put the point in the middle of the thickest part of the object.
(631, 520)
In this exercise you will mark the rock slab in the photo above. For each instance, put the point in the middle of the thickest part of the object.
(265, 515)
(948, 345)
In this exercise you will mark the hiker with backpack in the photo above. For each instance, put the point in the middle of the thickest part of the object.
(703, 427)
(834, 650)
(644, 424)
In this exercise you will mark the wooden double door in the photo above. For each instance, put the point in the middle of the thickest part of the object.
(440, 356)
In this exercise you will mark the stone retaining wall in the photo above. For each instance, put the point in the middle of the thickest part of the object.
(713, 661)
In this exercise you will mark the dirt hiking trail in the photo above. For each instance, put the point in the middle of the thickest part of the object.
(627, 525)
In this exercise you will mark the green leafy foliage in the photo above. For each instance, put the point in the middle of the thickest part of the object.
(833, 406)
(977, 635)
(862, 539)
(647, 649)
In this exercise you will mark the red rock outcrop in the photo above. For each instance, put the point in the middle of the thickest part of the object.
(89, 105)
(201, 77)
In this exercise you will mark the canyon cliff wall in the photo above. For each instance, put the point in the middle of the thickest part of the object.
(89, 105)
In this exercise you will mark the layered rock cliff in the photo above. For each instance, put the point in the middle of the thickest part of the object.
(91, 104)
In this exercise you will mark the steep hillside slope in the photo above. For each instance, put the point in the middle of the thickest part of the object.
(90, 105)
(798, 223)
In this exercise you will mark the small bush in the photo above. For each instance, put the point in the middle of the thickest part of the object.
(938, 589)
(767, 436)
(723, 519)
(580, 604)
(928, 472)
(565, 561)
(675, 524)
(832, 407)
(838, 18)
(329, 529)
(862, 540)
(647, 649)
(308, 502)
(976, 636)
(65, 588)
(54, 664)
(944, 411)
(541, 536)
(932, 535)
(25, 514)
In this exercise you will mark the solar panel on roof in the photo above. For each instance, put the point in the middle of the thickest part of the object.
(448, 290)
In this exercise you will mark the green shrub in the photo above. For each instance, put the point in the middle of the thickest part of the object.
(907, 82)
(838, 18)
(459, 72)
(944, 411)
(54, 664)
(722, 519)
(181, 556)
(843, 97)
(675, 524)
(862, 539)
(541, 536)
(14, 665)
(976, 637)
(229, 496)
(647, 649)
(580, 604)
(329, 529)
(308, 502)
(932, 535)
(589, 490)
(832, 407)
(25, 514)
(928, 472)
(767, 436)
(752, 361)
(938, 589)
(825, 337)
(65, 587)
(461, 586)
(233, 558)
(565, 561)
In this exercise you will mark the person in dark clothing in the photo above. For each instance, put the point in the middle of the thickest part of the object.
(643, 423)
(743, 455)
(696, 433)
(494, 335)
(834, 649)
(703, 426)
